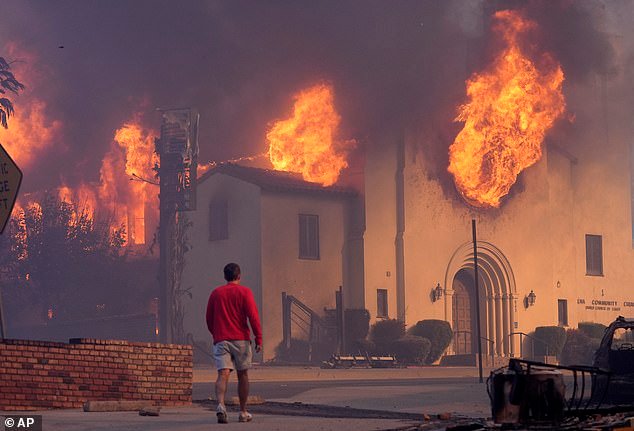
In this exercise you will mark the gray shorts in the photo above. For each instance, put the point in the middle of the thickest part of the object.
(233, 354)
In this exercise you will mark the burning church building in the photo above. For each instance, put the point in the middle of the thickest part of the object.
(544, 176)
(554, 237)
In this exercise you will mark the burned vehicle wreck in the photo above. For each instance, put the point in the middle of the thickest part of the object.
(529, 392)
(616, 356)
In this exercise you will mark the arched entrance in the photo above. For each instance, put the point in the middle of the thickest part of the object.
(463, 312)
(496, 296)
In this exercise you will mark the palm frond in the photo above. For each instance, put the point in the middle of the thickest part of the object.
(6, 110)
(8, 82)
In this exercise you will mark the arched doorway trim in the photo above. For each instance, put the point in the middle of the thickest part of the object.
(496, 292)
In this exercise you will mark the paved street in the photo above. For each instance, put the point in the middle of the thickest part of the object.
(428, 390)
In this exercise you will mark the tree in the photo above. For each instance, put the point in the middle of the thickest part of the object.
(56, 256)
(9, 83)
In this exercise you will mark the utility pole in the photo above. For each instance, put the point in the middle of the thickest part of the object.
(477, 296)
(177, 148)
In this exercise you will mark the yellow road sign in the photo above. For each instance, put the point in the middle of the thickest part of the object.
(10, 179)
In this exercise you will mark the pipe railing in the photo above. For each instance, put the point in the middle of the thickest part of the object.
(533, 339)
(465, 333)
(296, 312)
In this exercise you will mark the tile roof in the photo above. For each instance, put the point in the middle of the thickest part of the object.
(276, 181)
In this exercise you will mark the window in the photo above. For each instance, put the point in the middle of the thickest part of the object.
(218, 220)
(381, 303)
(594, 255)
(562, 312)
(308, 236)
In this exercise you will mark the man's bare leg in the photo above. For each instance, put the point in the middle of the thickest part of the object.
(221, 385)
(243, 389)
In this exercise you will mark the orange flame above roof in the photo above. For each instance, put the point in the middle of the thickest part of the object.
(307, 142)
(511, 107)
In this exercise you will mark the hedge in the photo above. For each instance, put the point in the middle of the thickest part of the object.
(299, 351)
(579, 349)
(592, 329)
(438, 332)
(386, 331)
(411, 349)
(553, 336)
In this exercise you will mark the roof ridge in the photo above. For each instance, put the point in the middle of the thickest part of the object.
(272, 179)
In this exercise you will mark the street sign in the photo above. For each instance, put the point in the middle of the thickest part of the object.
(10, 179)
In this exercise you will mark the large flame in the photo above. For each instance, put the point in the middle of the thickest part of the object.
(511, 107)
(83, 197)
(126, 173)
(307, 142)
(124, 197)
(30, 132)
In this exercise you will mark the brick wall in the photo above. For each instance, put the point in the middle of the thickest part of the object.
(38, 375)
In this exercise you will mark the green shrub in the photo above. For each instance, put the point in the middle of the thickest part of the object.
(592, 329)
(386, 331)
(438, 332)
(299, 351)
(579, 349)
(411, 349)
(553, 336)
(357, 326)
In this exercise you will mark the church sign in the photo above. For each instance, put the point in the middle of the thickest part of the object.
(603, 304)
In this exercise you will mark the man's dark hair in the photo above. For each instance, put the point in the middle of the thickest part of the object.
(232, 271)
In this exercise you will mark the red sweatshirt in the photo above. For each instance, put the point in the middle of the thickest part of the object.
(228, 309)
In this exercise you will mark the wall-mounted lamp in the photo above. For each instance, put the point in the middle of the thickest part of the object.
(436, 293)
(529, 300)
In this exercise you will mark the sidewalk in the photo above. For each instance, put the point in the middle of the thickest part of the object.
(199, 418)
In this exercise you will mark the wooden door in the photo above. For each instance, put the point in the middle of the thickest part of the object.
(461, 310)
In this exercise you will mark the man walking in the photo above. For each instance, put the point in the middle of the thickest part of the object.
(228, 310)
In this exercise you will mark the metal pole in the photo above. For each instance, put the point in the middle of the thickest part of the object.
(339, 311)
(477, 296)
(343, 321)
(2, 333)
(492, 347)
(286, 321)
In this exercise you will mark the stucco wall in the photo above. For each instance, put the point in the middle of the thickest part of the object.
(380, 219)
(206, 259)
(313, 282)
(602, 201)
